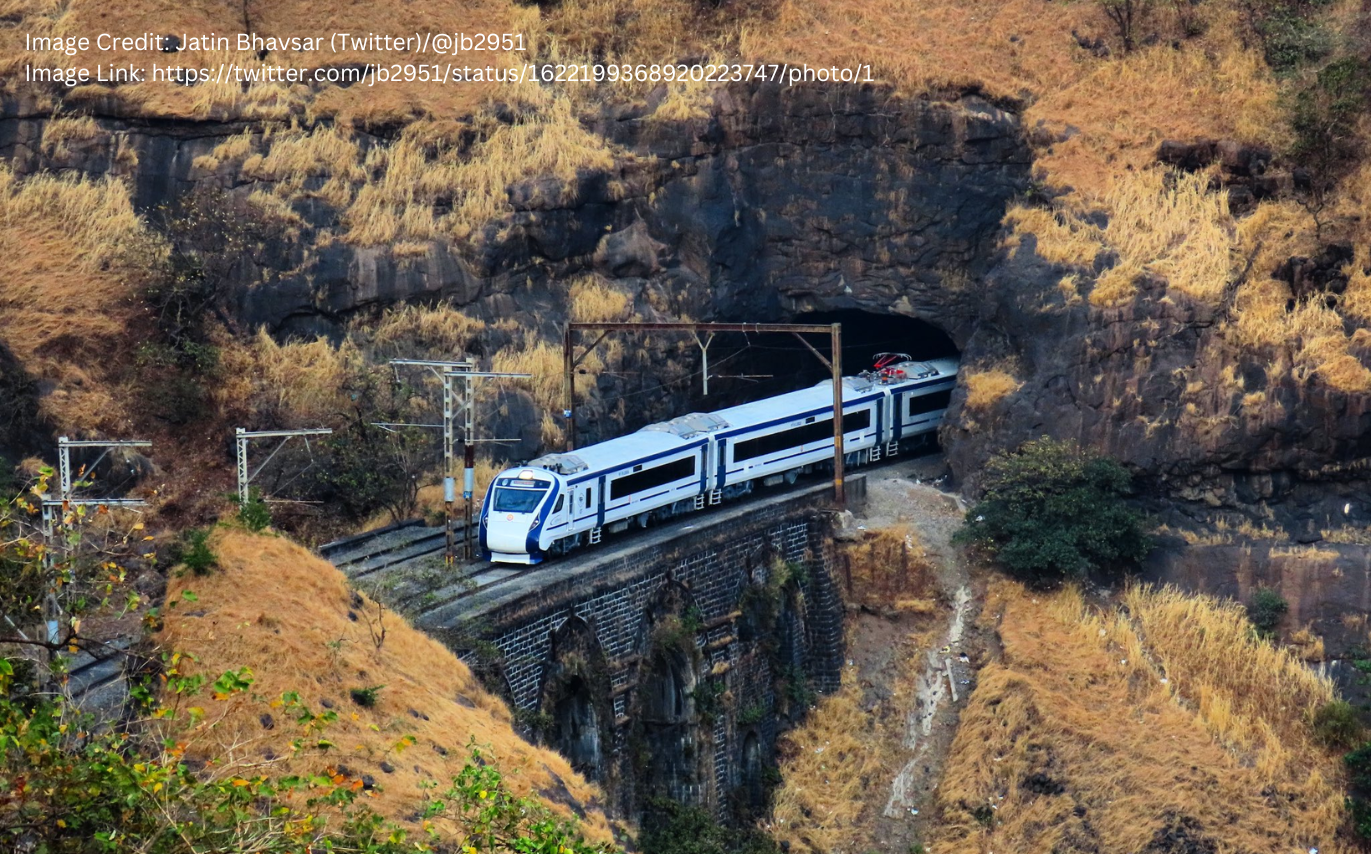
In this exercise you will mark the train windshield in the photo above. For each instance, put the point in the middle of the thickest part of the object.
(521, 499)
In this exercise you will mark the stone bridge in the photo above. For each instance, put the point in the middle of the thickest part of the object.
(664, 665)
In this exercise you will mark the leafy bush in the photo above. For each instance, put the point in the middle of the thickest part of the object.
(1325, 117)
(1265, 610)
(1290, 39)
(1336, 724)
(1358, 764)
(1053, 510)
(366, 697)
(255, 514)
(1360, 813)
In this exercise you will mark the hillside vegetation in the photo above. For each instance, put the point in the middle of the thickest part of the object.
(290, 617)
(1162, 724)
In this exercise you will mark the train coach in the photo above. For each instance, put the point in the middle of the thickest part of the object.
(560, 501)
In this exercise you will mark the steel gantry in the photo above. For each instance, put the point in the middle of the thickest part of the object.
(457, 401)
(835, 365)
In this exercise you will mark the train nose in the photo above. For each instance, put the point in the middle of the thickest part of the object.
(508, 532)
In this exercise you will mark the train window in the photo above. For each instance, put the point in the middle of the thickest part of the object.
(930, 402)
(643, 479)
(796, 436)
(561, 500)
(511, 500)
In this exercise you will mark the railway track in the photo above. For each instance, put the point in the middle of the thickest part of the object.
(403, 564)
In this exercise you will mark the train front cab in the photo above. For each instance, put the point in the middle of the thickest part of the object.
(519, 506)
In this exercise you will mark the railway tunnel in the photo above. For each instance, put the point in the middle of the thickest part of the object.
(748, 367)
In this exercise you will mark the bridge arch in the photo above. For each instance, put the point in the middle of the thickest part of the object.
(752, 774)
(575, 698)
(670, 746)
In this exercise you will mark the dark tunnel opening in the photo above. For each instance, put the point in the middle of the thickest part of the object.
(749, 367)
(743, 367)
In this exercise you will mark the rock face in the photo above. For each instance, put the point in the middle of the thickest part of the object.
(1157, 383)
(1327, 586)
(782, 200)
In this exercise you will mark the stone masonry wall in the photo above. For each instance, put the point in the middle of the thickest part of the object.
(616, 594)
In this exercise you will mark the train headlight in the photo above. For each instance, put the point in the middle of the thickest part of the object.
(534, 523)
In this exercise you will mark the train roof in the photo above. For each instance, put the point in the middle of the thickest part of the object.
(684, 430)
(821, 394)
(610, 453)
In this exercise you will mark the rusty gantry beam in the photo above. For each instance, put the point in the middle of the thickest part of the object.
(835, 365)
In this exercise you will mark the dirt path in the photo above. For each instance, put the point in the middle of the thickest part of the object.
(927, 710)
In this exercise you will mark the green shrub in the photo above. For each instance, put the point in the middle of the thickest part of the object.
(709, 700)
(1325, 115)
(1052, 510)
(195, 553)
(255, 514)
(1336, 724)
(1358, 764)
(670, 828)
(1359, 811)
(1265, 610)
(366, 697)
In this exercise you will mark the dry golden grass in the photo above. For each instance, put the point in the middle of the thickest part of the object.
(296, 155)
(1118, 109)
(1123, 108)
(1347, 535)
(888, 568)
(322, 654)
(549, 143)
(71, 280)
(1173, 715)
(829, 764)
(1160, 223)
(1311, 340)
(60, 132)
(270, 101)
(986, 388)
(1307, 645)
(1222, 532)
(590, 300)
(441, 331)
(392, 195)
(296, 383)
(543, 360)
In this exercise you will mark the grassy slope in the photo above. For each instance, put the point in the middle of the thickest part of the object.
(276, 608)
(68, 294)
(1102, 730)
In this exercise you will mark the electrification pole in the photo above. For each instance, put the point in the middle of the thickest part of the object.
(835, 365)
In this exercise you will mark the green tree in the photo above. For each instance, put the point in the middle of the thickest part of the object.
(1266, 610)
(1052, 510)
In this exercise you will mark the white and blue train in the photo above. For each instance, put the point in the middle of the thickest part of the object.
(559, 501)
